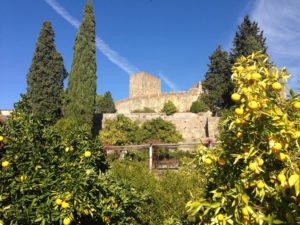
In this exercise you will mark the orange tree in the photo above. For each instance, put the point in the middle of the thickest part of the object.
(49, 179)
(254, 171)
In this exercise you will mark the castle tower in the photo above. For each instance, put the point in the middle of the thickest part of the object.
(143, 84)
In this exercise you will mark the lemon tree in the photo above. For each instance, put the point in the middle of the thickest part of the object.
(254, 172)
(47, 178)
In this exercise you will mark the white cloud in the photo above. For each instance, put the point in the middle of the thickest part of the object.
(169, 83)
(112, 55)
(280, 21)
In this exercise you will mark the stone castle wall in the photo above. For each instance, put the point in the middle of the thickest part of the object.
(192, 126)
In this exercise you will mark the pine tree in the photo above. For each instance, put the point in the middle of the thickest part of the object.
(106, 104)
(81, 90)
(247, 40)
(45, 77)
(217, 80)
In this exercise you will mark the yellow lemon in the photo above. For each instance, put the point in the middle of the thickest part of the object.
(87, 154)
(260, 184)
(260, 161)
(65, 205)
(281, 156)
(1, 138)
(207, 161)
(252, 166)
(220, 217)
(239, 111)
(253, 105)
(239, 135)
(58, 201)
(67, 221)
(276, 147)
(255, 76)
(235, 97)
(245, 211)
(276, 86)
(67, 149)
(281, 177)
(296, 105)
(272, 181)
(5, 164)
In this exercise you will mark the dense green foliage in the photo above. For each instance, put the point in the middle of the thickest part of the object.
(105, 104)
(167, 195)
(169, 108)
(81, 92)
(123, 131)
(44, 166)
(145, 110)
(45, 77)
(217, 80)
(198, 106)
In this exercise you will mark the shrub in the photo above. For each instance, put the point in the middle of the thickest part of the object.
(41, 168)
(198, 106)
(145, 110)
(169, 108)
(255, 177)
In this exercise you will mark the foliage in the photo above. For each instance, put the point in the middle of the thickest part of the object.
(66, 126)
(105, 104)
(145, 110)
(159, 129)
(217, 80)
(198, 106)
(167, 195)
(81, 92)
(169, 108)
(120, 131)
(44, 169)
(45, 77)
(258, 156)
(23, 105)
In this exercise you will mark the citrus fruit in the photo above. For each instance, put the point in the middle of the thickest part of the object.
(246, 186)
(239, 135)
(222, 162)
(281, 177)
(252, 166)
(255, 76)
(296, 105)
(67, 149)
(5, 164)
(243, 175)
(208, 161)
(281, 156)
(87, 154)
(276, 86)
(67, 221)
(272, 181)
(260, 184)
(58, 201)
(240, 69)
(1, 138)
(253, 105)
(239, 111)
(235, 97)
(245, 211)
(276, 147)
(65, 205)
(260, 161)
(220, 217)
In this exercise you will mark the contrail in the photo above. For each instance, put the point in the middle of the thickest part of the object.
(170, 84)
(112, 55)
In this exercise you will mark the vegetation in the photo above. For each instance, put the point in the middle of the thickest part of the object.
(255, 177)
(169, 108)
(105, 104)
(45, 77)
(145, 110)
(198, 106)
(123, 131)
(81, 92)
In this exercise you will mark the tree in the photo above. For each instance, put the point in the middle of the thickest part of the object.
(105, 104)
(45, 77)
(169, 108)
(81, 90)
(248, 39)
(198, 106)
(217, 81)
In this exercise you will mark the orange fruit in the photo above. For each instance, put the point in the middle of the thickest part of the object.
(239, 135)
(260, 184)
(5, 164)
(220, 217)
(1, 138)
(253, 105)
(276, 86)
(260, 161)
(276, 147)
(208, 161)
(257, 171)
(255, 76)
(65, 205)
(58, 201)
(246, 186)
(296, 105)
(67, 221)
(87, 154)
(245, 211)
(235, 97)
(272, 181)
(281, 156)
(252, 166)
(281, 177)
(67, 149)
(239, 111)
(222, 162)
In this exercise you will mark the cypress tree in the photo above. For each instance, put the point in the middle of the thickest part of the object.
(45, 77)
(106, 104)
(217, 80)
(81, 90)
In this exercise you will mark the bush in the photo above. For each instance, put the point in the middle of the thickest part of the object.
(169, 108)
(255, 176)
(145, 110)
(198, 106)
(41, 168)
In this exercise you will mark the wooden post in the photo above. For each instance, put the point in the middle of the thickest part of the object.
(150, 157)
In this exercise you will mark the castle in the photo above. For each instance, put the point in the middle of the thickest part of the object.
(145, 92)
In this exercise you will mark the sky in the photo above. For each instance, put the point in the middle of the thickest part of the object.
(170, 39)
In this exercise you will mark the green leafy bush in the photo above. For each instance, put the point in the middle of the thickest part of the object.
(41, 169)
(169, 108)
(198, 106)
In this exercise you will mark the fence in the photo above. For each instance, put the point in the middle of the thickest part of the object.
(151, 146)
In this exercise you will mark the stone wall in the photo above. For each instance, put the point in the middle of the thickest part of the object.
(141, 84)
(182, 100)
(192, 126)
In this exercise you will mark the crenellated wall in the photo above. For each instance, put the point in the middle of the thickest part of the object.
(192, 126)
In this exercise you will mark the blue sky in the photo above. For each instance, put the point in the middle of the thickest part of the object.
(171, 39)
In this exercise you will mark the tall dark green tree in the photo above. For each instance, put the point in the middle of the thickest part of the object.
(106, 104)
(248, 39)
(217, 80)
(45, 77)
(81, 90)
